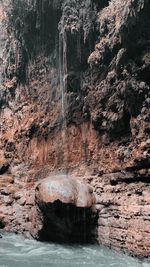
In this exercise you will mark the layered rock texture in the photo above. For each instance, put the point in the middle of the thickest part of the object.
(75, 98)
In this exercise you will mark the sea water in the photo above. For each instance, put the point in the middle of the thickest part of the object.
(16, 251)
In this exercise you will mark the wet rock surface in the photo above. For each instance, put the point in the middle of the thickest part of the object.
(74, 96)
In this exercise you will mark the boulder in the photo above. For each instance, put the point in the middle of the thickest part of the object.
(66, 208)
(65, 189)
(4, 166)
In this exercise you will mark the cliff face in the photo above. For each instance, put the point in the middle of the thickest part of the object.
(75, 97)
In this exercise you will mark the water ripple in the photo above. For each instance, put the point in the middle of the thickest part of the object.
(15, 251)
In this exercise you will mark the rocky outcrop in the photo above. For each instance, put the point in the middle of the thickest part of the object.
(58, 208)
(74, 97)
(66, 190)
(67, 209)
(123, 205)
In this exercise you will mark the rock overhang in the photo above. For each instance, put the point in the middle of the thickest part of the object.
(67, 190)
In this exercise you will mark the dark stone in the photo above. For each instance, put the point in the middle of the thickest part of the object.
(4, 168)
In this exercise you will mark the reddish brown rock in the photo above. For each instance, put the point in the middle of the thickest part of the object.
(67, 209)
(124, 217)
(103, 135)
(65, 189)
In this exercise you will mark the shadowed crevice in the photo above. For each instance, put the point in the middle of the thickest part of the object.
(67, 223)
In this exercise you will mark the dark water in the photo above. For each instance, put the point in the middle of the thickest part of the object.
(15, 251)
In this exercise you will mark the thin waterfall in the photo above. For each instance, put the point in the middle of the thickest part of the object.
(63, 84)
(63, 72)
(83, 128)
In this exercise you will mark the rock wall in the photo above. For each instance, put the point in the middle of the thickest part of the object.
(74, 97)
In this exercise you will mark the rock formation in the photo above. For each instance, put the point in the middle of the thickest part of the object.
(75, 98)
(67, 207)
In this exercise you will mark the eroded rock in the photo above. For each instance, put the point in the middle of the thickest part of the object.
(66, 206)
(66, 190)
(106, 117)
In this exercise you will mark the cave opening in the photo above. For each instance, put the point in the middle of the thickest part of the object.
(2, 225)
(66, 223)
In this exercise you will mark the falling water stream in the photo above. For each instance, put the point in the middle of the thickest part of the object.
(15, 251)
(62, 78)
(62, 71)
